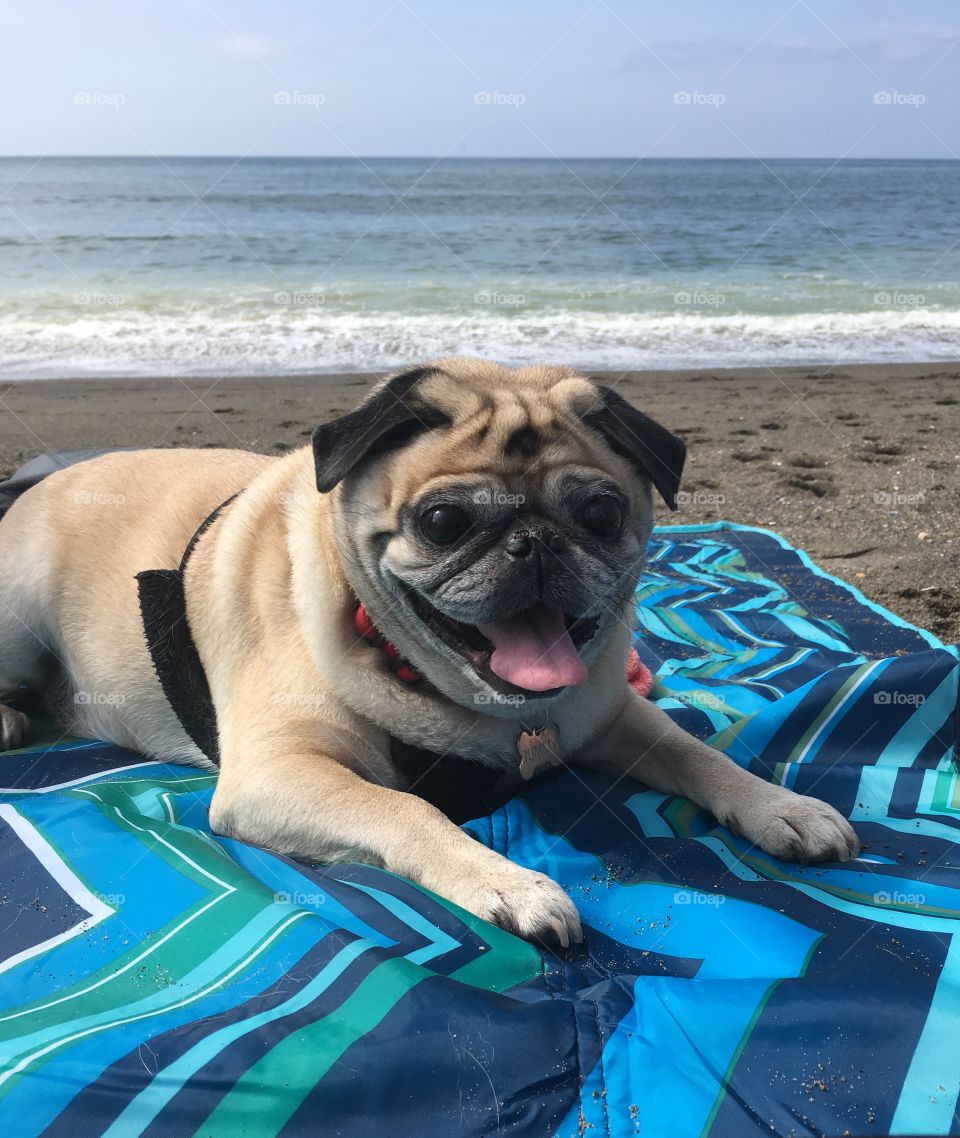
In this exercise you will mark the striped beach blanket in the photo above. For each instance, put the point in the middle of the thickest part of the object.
(156, 979)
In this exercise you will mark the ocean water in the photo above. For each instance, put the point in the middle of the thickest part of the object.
(196, 266)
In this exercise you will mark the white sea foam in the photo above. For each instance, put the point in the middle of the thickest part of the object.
(207, 341)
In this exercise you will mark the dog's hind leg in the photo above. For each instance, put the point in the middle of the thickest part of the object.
(21, 663)
(24, 654)
(14, 728)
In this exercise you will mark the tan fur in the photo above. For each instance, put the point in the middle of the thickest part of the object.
(305, 710)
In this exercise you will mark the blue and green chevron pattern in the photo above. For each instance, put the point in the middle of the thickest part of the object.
(158, 980)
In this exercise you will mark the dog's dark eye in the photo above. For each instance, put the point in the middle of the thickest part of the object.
(443, 525)
(602, 516)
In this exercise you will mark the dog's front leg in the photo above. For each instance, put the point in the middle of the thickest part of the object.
(309, 806)
(646, 744)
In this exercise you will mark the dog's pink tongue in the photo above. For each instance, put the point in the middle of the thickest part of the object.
(533, 650)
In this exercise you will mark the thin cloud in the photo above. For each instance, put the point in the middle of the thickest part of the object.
(246, 46)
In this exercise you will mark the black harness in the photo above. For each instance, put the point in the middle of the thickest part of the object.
(163, 608)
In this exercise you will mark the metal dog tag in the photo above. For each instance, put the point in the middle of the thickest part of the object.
(538, 750)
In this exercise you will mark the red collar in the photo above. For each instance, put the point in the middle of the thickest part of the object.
(639, 676)
(368, 631)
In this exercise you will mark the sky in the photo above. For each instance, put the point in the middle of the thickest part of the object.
(537, 78)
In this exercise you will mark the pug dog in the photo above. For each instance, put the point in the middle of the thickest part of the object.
(485, 526)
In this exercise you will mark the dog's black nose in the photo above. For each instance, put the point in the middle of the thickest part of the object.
(519, 544)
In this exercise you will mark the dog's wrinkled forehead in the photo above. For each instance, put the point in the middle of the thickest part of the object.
(462, 388)
(510, 420)
(495, 420)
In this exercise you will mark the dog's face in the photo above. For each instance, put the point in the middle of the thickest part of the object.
(494, 522)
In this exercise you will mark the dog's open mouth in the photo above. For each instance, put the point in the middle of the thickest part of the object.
(534, 651)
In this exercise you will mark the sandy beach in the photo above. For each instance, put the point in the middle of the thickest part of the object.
(855, 464)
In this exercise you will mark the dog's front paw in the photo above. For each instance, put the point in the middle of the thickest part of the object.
(793, 826)
(520, 901)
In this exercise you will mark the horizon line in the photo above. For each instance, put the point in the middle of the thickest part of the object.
(495, 157)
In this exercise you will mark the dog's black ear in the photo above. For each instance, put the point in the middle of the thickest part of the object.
(640, 440)
(386, 420)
